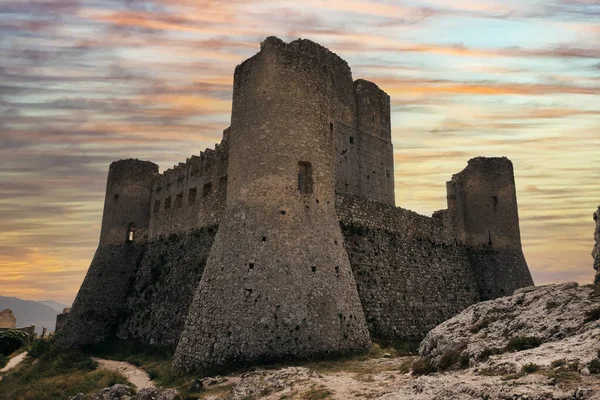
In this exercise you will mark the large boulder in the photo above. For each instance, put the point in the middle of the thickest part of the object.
(535, 325)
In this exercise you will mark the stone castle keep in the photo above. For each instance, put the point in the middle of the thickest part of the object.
(284, 241)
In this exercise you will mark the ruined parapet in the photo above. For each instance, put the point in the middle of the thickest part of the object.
(278, 257)
(61, 319)
(125, 222)
(7, 319)
(596, 250)
(482, 203)
(191, 195)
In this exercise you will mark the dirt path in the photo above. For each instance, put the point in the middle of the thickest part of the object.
(133, 374)
(13, 362)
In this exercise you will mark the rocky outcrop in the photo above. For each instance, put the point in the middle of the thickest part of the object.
(124, 392)
(544, 325)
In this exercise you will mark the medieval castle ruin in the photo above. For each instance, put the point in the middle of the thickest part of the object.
(284, 241)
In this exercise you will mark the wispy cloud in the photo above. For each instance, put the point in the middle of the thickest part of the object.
(84, 83)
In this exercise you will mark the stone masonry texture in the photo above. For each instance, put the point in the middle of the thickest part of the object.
(284, 241)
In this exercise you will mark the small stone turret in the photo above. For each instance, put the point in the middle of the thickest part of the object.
(278, 257)
(482, 202)
(596, 250)
(103, 293)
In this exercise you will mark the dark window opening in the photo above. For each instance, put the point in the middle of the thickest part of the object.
(489, 237)
(131, 232)
(351, 139)
(313, 268)
(264, 238)
(251, 265)
(223, 183)
(387, 174)
(305, 181)
(168, 203)
(156, 206)
(282, 212)
(495, 201)
(206, 189)
(179, 200)
(331, 127)
(192, 196)
(116, 197)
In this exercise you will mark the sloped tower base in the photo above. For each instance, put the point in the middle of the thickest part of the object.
(278, 283)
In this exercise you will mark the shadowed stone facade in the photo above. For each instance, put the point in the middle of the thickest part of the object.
(284, 242)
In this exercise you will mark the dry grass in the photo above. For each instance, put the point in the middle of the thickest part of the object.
(56, 376)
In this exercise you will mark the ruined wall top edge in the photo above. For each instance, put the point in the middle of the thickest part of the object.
(486, 165)
(206, 160)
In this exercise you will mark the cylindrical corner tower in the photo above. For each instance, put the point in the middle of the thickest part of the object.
(102, 296)
(482, 201)
(278, 282)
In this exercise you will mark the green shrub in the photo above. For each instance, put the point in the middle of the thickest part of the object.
(592, 315)
(530, 368)
(12, 340)
(40, 347)
(448, 359)
(487, 352)
(520, 343)
(423, 366)
(594, 366)
(464, 361)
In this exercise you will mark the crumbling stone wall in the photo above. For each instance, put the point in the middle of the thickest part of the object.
(164, 287)
(192, 194)
(61, 319)
(7, 319)
(410, 273)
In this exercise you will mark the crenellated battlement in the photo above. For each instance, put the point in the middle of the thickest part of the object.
(192, 194)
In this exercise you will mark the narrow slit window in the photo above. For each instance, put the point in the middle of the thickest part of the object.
(131, 232)
(206, 189)
(168, 203)
(192, 196)
(156, 206)
(223, 183)
(179, 200)
(305, 182)
(495, 202)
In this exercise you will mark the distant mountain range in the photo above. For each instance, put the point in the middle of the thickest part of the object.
(29, 312)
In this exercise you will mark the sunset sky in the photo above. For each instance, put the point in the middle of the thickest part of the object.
(86, 82)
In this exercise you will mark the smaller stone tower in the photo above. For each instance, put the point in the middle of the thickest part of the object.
(596, 250)
(103, 293)
(482, 202)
